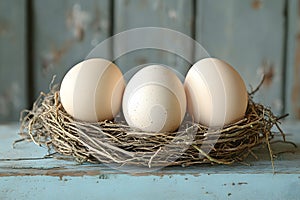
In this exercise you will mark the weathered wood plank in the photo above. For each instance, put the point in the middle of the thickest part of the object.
(9, 133)
(13, 97)
(250, 36)
(27, 155)
(37, 178)
(65, 32)
(293, 60)
(176, 15)
(227, 186)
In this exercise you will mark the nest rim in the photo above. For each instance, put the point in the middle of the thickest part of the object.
(48, 124)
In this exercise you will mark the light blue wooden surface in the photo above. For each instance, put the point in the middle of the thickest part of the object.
(248, 34)
(221, 186)
(24, 174)
(13, 73)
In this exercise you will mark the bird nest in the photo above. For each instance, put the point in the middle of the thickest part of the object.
(48, 124)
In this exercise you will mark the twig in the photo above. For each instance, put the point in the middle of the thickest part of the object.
(259, 85)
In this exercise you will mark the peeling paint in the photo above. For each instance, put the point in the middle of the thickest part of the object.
(54, 56)
(77, 21)
(256, 4)
(4, 28)
(269, 75)
(267, 69)
(58, 172)
(172, 14)
(103, 176)
(98, 25)
(62, 173)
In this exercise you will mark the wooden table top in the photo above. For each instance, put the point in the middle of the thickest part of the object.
(26, 173)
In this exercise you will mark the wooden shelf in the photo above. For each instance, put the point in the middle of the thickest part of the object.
(26, 174)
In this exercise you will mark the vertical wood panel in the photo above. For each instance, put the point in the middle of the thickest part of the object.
(172, 14)
(12, 59)
(250, 36)
(293, 60)
(65, 32)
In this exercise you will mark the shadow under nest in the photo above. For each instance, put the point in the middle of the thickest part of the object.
(48, 124)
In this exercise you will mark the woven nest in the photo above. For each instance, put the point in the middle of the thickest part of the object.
(108, 142)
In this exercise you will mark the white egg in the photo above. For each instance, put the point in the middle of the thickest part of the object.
(154, 100)
(216, 93)
(92, 90)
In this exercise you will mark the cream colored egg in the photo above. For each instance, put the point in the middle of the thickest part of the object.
(216, 93)
(154, 100)
(92, 90)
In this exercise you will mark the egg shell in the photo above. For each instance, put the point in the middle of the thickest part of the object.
(216, 93)
(154, 100)
(92, 90)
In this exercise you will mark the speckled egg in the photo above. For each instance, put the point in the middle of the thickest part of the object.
(154, 100)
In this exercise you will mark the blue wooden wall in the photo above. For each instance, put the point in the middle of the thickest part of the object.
(40, 38)
(13, 72)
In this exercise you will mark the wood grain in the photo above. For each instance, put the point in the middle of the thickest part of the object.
(293, 60)
(176, 15)
(25, 173)
(250, 36)
(13, 73)
(255, 36)
(65, 32)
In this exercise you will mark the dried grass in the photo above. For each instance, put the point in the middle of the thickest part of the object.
(108, 142)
